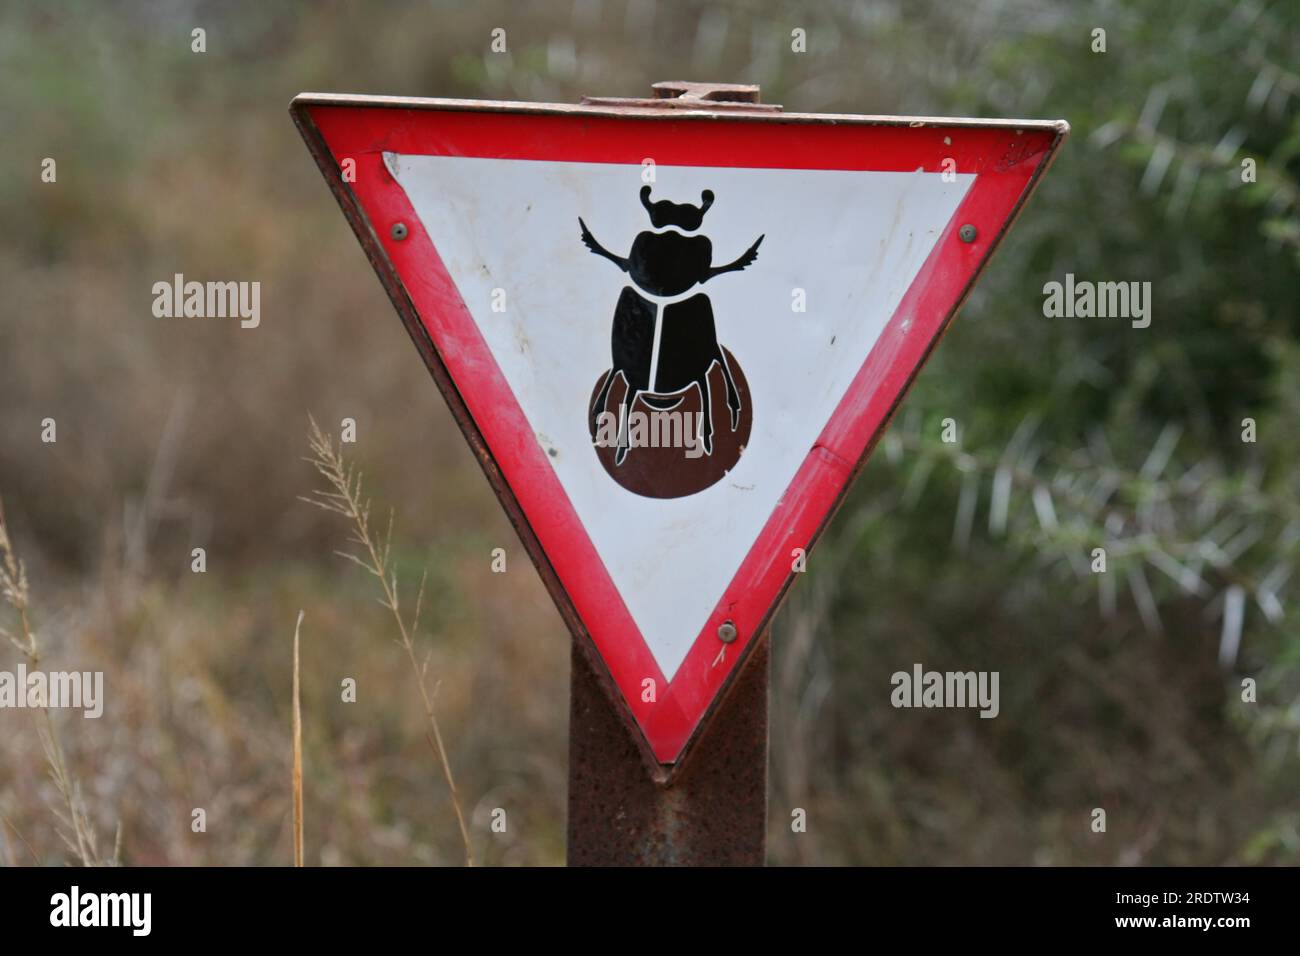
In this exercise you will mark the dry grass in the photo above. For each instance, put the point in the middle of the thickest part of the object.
(15, 592)
(297, 747)
(344, 497)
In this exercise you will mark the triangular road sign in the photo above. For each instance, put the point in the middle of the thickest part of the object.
(671, 336)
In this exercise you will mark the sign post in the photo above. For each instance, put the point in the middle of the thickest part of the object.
(672, 330)
(714, 813)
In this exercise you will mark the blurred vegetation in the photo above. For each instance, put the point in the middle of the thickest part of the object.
(1120, 690)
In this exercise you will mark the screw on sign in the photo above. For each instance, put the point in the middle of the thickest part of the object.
(660, 489)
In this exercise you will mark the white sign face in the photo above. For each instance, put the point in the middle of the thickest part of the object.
(839, 251)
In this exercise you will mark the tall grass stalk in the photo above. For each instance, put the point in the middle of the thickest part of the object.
(297, 749)
(343, 496)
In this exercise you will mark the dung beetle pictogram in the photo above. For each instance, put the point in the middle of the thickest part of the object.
(664, 341)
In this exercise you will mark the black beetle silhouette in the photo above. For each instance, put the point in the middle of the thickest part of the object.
(662, 349)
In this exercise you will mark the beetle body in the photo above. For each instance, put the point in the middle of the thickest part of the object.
(663, 342)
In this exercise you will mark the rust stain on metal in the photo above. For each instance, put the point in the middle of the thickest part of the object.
(683, 95)
(655, 109)
(713, 813)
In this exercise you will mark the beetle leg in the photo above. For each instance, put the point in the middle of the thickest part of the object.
(602, 398)
(625, 426)
(733, 396)
(706, 416)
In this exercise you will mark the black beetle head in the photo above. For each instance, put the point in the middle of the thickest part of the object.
(682, 215)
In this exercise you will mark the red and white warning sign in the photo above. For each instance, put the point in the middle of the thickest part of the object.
(671, 336)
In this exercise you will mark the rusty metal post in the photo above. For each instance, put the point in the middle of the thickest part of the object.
(714, 813)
